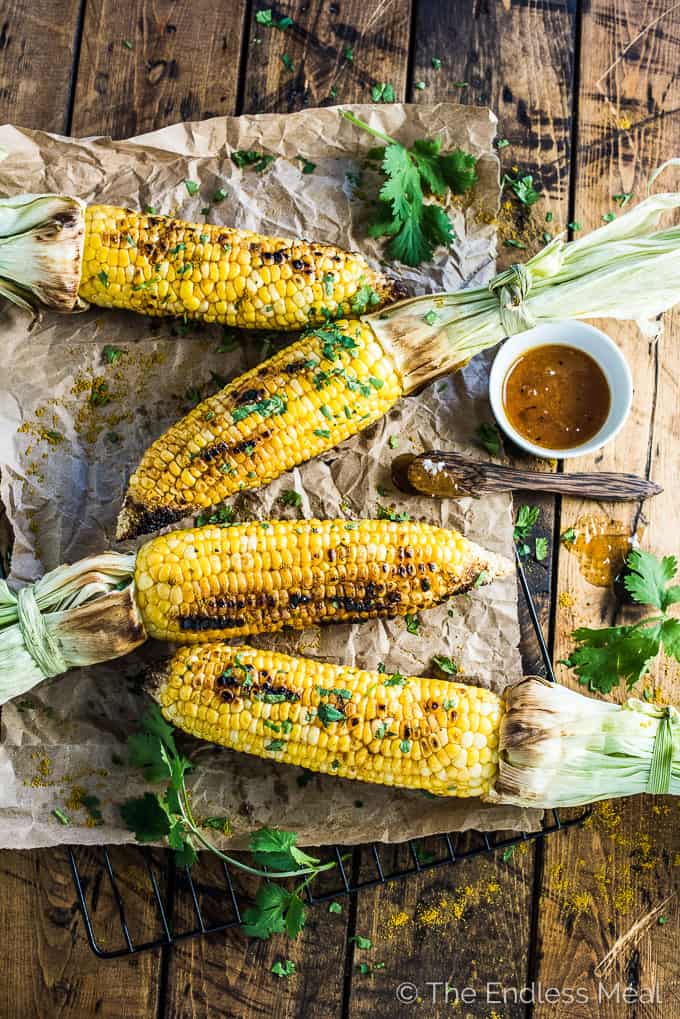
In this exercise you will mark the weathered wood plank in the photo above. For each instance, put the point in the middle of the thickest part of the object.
(600, 882)
(143, 66)
(228, 975)
(472, 924)
(37, 47)
(231, 975)
(49, 971)
(338, 52)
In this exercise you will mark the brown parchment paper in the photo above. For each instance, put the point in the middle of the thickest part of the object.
(64, 461)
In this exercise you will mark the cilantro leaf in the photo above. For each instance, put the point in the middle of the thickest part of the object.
(266, 916)
(611, 653)
(284, 968)
(446, 664)
(527, 517)
(294, 915)
(459, 170)
(670, 637)
(146, 818)
(648, 578)
(144, 751)
(416, 227)
(541, 549)
(489, 437)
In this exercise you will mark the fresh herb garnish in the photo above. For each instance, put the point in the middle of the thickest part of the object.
(623, 198)
(365, 298)
(489, 437)
(168, 815)
(420, 85)
(446, 664)
(348, 54)
(607, 655)
(541, 549)
(283, 969)
(224, 515)
(266, 17)
(248, 157)
(287, 62)
(436, 63)
(525, 522)
(269, 407)
(192, 187)
(609, 217)
(307, 165)
(412, 623)
(327, 714)
(383, 92)
(289, 497)
(103, 278)
(522, 187)
(111, 354)
(396, 679)
(389, 514)
(416, 227)
(568, 537)
(61, 817)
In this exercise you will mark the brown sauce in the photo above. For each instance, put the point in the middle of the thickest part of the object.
(556, 396)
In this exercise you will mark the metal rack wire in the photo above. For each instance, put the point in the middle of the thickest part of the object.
(188, 904)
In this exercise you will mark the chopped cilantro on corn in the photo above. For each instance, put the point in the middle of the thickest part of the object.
(396, 730)
(156, 265)
(212, 582)
(294, 406)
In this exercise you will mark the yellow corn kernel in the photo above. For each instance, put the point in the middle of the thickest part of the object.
(157, 247)
(244, 698)
(304, 400)
(263, 575)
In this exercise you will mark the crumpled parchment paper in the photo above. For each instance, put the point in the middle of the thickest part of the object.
(65, 458)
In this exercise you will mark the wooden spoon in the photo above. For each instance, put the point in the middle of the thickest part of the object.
(453, 476)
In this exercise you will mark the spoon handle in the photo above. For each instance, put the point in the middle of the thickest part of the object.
(604, 485)
(454, 475)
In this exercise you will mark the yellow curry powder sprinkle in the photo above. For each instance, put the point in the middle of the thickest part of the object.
(566, 600)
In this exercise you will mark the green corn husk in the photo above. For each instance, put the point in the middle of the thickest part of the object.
(622, 270)
(561, 749)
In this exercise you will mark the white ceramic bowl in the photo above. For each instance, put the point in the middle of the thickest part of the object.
(570, 334)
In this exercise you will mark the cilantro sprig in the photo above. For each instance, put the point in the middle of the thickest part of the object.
(168, 815)
(606, 656)
(417, 227)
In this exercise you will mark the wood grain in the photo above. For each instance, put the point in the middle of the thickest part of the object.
(145, 65)
(230, 975)
(598, 883)
(37, 52)
(338, 50)
(49, 971)
(484, 932)
(518, 60)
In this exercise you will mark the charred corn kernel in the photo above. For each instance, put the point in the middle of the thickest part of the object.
(348, 722)
(158, 248)
(263, 575)
(304, 400)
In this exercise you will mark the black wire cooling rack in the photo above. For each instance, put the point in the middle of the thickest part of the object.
(120, 918)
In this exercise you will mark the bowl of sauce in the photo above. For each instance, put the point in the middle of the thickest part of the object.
(560, 390)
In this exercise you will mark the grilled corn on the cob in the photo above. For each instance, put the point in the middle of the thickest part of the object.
(214, 582)
(540, 744)
(59, 253)
(296, 405)
(396, 730)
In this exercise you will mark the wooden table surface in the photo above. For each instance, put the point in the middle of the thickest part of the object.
(587, 95)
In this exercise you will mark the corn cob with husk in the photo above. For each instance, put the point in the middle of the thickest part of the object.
(59, 253)
(538, 744)
(213, 582)
(342, 377)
